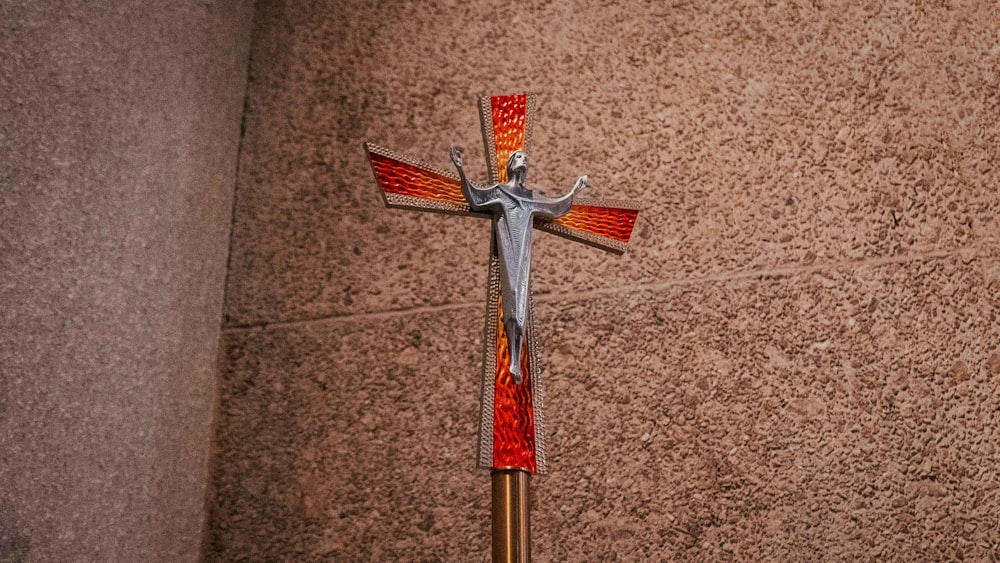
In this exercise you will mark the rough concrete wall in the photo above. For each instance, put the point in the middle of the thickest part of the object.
(798, 358)
(119, 126)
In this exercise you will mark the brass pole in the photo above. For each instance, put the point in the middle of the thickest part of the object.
(511, 526)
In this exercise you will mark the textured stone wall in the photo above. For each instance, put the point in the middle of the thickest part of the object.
(799, 357)
(119, 126)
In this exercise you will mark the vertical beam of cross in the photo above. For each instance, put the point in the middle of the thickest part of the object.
(512, 425)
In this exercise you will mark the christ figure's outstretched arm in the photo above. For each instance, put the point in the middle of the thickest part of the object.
(551, 208)
(477, 197)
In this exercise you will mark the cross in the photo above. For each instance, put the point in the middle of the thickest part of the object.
(512, 429)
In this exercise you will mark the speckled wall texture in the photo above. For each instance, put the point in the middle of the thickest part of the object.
(119, 127)
(799, 357)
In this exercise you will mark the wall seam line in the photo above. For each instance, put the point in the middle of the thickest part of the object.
(213, 450)
(617, 290)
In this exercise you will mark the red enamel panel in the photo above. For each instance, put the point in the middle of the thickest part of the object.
(611, 222)
(509, 121)
(513, 412)
(398, 177)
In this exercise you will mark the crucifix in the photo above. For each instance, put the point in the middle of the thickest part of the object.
(512, 426)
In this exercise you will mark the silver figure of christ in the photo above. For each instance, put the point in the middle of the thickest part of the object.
(514, 207)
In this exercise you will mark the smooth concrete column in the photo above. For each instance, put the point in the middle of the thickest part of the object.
(119, 132)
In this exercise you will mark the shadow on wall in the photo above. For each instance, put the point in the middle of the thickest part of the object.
(13, 546)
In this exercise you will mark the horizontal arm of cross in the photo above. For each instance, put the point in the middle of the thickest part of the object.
(407, 183)
(601, 223)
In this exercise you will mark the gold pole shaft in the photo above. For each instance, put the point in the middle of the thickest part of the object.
(511, 526)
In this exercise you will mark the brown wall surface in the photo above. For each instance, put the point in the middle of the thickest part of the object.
(797, 359)
(119, 127)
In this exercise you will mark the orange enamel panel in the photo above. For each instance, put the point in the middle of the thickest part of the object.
(402, 178)
(513, 411)
(509, 121)
(611, 222)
